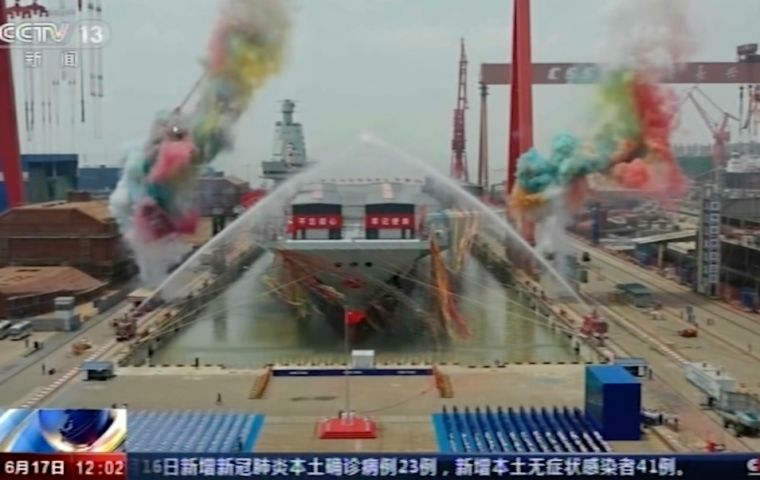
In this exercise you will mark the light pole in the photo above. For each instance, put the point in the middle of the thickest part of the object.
(347, 424)
(347, 371)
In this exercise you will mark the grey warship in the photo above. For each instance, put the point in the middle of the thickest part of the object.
(348, 252)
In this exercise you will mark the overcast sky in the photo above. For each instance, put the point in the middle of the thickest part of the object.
(386, 66)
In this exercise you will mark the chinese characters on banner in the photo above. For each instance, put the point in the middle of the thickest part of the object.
(314, 222)
(389, 220)
(150, 467)
(579, 73)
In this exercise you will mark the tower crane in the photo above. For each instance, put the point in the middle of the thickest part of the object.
(459, 170)
(718, 129)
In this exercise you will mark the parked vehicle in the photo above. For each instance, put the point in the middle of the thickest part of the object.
(21, 330)
(126, 328)
(594, 326)
(5, 328)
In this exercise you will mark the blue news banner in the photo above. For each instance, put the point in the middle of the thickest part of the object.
(719, 466)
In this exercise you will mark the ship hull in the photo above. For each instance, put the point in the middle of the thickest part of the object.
(376, 280)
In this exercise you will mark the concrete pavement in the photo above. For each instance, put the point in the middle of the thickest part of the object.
(25, 379)
(634, 333)
(12, 353)
(740, 328)
(724, 343)
(668, 390)
(67, 364)
(656, 339)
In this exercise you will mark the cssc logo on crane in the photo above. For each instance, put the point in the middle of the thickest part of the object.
(35, 33)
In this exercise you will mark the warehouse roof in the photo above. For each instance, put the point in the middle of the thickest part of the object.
(20, 281)
(96, 209)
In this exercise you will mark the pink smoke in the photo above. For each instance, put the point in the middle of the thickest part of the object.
(151, 223)
(656, 107)
(173, 158)
(188, 224)
(577, 193)
(633, 174)
(217, 46)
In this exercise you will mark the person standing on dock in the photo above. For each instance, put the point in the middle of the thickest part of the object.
(218, 398)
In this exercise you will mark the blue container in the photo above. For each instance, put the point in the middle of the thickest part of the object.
(613, 402)
(686, 274)
(3, 197)
(749, 299)
(596, 231)
(644, 254)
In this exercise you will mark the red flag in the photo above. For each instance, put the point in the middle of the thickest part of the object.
(354, 317)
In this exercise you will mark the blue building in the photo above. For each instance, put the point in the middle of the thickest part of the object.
(4, 192)
(47, 177)
(51, 176)
(100, 181)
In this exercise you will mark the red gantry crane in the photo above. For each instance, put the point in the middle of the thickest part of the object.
(10, 150)
(458, 169)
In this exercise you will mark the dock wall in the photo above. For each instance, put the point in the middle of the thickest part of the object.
(186, 311)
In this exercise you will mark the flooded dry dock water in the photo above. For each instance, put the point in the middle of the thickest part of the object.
(248, 327)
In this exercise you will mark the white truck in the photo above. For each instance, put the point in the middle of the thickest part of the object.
(710, 379)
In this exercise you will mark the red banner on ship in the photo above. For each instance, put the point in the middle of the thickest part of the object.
(315, 222)
(389, 220)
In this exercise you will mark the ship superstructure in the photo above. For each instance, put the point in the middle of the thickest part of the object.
(289, 155)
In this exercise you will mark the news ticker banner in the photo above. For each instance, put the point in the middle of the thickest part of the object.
(137, 466)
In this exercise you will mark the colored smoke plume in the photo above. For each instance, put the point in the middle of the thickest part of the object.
(154, 201)
(629, 142)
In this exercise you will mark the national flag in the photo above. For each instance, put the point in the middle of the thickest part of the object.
(354, 317)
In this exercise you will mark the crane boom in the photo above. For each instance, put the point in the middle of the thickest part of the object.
(459, 170)
(719, 130)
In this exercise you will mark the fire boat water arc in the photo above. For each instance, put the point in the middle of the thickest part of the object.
(349, 252)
